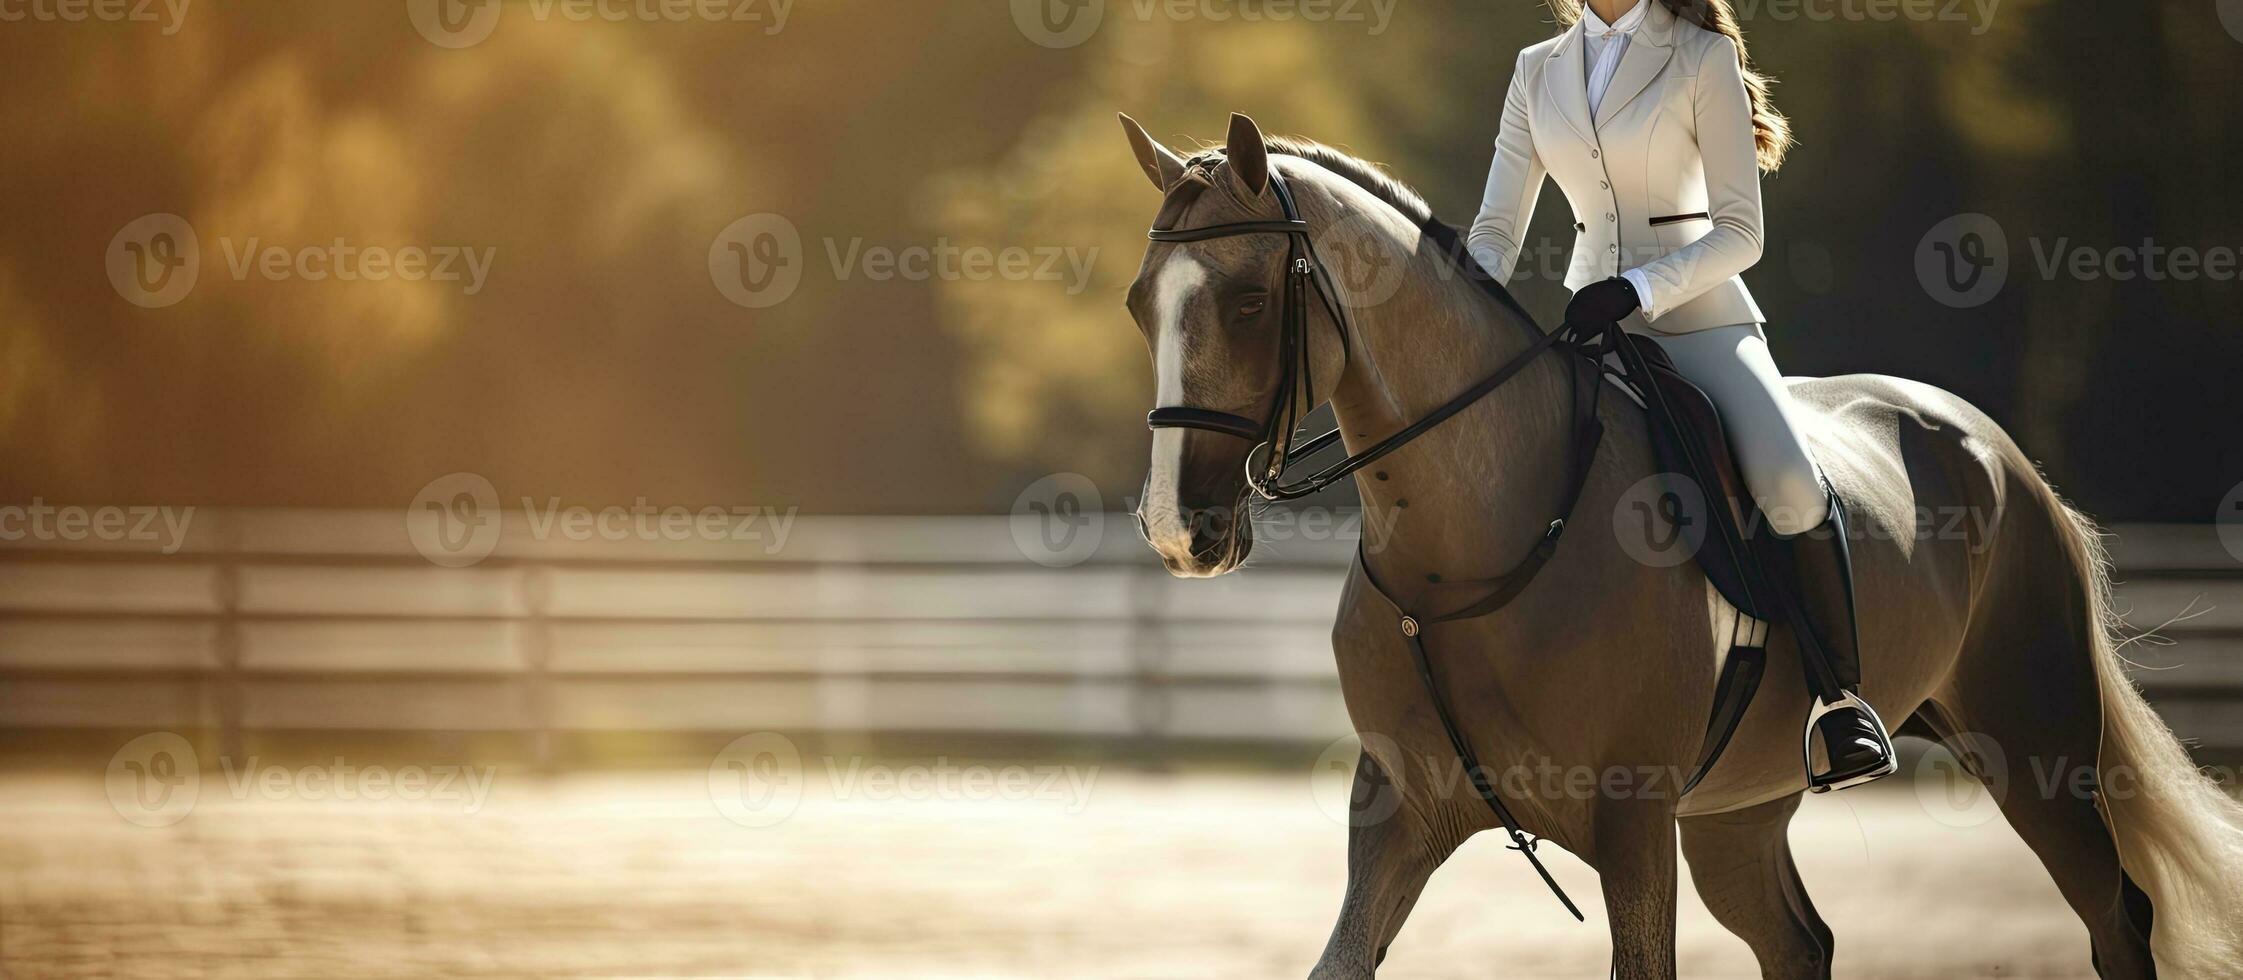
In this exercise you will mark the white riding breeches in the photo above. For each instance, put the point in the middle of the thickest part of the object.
(1734, 368)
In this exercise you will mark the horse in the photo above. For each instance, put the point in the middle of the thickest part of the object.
(1993, 635)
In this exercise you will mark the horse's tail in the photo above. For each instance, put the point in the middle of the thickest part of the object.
(2180, 838)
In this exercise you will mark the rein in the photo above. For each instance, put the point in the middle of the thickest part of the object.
(1305, 272)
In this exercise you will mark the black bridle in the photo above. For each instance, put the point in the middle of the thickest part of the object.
(1271, 436)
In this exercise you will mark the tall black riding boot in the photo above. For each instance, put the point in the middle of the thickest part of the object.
(1856, 747)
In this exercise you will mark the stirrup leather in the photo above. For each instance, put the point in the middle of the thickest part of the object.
(1822, 782)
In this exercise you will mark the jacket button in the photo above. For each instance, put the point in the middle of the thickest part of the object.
(1593, 154)
(1409, 626)
(1609, 216)
(1612, 248)
(1578, 226)
(1604, 185)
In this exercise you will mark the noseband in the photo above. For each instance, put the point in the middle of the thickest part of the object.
(1271, 436)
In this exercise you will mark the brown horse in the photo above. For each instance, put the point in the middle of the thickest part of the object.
(1984, 616)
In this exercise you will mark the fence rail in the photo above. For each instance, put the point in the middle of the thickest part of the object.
(327, 621)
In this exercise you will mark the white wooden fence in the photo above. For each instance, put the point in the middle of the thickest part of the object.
(330, 621)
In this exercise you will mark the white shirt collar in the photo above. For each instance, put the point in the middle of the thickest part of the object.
(1629, 21)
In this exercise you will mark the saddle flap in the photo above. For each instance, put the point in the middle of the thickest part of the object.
(1707, 490)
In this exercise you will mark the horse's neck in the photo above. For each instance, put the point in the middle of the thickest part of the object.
(1469, 498)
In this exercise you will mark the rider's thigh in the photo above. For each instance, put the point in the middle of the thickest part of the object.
(1733, 366)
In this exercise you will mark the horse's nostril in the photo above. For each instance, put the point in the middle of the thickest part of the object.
(1210, 534)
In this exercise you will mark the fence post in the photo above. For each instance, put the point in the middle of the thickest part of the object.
(1151, 710)
(536, 640)
(227, 587)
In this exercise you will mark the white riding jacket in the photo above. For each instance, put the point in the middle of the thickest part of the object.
(1662, 177)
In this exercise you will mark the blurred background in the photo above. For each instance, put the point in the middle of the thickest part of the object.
(707, 429)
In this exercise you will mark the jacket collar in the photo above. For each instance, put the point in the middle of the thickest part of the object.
(1647, 55)
(1565, 73)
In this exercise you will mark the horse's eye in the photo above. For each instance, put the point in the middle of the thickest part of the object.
(1253, 307)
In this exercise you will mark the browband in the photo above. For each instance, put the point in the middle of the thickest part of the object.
(1228, 231)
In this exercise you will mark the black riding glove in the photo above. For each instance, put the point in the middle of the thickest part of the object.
(1600, 303)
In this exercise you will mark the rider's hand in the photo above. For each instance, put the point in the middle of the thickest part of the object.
(1600, 303)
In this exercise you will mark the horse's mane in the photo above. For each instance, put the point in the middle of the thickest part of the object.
(1372, 178)
(1358, 171)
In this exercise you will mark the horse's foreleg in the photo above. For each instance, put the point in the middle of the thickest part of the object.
(1389, 857)
(1635, 860)
(1741, 863)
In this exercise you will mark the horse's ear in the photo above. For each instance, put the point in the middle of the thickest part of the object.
(1160, 164)
(1249, 159)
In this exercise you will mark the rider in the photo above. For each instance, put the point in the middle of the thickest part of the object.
(1656, 129)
